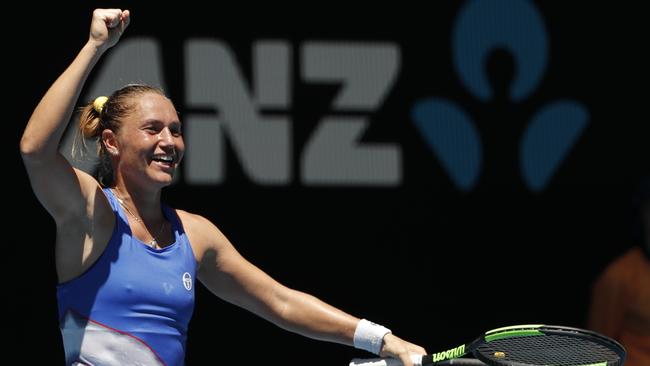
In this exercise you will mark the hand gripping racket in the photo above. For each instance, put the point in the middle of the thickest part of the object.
(524, 345)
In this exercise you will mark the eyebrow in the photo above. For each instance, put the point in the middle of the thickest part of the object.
(157, 121)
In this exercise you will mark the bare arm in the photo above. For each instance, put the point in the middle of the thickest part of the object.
(62, 190)
(231, 277)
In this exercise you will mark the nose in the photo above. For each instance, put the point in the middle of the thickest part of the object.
(166, 137)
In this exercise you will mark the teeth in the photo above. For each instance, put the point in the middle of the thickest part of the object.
(165, 158)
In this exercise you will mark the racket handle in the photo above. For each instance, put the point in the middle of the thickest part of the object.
(416, 359)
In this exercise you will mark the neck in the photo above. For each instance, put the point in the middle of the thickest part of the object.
(148, 223)
(144, 203)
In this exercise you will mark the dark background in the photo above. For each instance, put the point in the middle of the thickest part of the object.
(436, 264)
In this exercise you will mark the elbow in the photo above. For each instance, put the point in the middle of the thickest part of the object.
(30, 150)
(28, 147)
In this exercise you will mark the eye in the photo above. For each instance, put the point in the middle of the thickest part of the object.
(152, 129)
(176, 130)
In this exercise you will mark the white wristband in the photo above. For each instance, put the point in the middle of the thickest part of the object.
(369, 336)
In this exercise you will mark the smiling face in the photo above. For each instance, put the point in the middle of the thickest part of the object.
(149, 143)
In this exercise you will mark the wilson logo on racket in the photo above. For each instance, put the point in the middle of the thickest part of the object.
(452, 353)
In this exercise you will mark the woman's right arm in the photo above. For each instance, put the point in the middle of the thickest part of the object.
(61, 189)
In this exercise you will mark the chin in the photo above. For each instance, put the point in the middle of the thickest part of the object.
(163, 179)
(167, 181)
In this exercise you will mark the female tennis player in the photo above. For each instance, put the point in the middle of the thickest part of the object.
(126, 262)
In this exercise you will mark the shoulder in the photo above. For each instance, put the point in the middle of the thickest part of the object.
(630, 257)
(195, 224)
(192, 219)
(622, 269)
(202, 233)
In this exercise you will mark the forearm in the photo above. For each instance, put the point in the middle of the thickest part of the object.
(229, 276)
(307, 315)
(49, 119)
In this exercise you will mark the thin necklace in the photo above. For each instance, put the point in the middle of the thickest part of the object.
(154, 240)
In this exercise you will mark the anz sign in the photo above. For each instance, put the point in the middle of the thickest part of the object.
(224, 106)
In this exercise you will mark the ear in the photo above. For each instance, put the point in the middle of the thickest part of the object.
(109, 139)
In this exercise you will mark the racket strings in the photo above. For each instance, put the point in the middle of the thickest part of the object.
(547, 350)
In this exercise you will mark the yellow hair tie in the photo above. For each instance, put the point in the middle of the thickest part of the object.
(98, 104)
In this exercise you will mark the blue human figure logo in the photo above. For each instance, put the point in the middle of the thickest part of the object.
(517, 27)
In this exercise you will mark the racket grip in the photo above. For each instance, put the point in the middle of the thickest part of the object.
(416, 359)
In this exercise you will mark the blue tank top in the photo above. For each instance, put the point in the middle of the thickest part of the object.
(134, 304)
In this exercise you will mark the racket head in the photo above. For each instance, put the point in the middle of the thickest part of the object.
(537, 345)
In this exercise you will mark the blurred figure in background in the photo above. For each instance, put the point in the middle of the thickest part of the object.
(620, 303)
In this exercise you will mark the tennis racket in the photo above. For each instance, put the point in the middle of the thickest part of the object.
(524, 345)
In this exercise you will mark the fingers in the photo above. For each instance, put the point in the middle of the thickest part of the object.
(107, 26)
(394, 347)
(125, 20)
(111, 17)
(408, 353)
(406, 359)
(414, 348)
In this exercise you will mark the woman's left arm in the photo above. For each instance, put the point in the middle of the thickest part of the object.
(231, 277)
